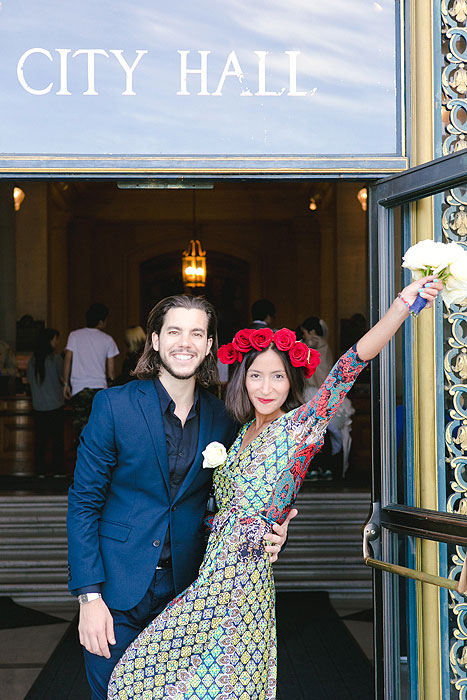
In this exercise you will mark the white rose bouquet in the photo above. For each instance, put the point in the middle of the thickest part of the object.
(214, 455)
(447, 261)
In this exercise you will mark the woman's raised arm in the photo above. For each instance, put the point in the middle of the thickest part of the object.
(374, 341)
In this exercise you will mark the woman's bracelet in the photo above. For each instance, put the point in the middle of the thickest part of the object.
(404, 301)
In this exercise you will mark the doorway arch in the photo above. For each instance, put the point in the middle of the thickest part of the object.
(227, 287)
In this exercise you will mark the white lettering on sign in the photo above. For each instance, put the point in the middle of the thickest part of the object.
(198, 72)
(293, 75)
(262, 92)
(129, 70)
(63, 55)
(202, 71)
(232, 60)
(91, 54)
(232, 68)
(20, 73)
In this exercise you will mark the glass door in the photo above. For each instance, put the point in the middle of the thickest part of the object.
(416, 535)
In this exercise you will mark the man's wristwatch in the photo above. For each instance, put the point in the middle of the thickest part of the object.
(88, 597)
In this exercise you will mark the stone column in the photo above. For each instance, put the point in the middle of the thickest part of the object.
(328, 276)
(31, 253)
(57, 315)
(7, 265)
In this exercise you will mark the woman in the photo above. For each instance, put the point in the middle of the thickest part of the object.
(333, 460)
(135, 339)
(312, 333)
(45, 376)
(217, 639)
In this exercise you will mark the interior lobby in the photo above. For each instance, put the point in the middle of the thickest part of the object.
(303, 245)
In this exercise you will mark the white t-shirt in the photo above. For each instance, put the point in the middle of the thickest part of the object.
(90, 347)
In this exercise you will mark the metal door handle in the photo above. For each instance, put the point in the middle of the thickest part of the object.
(371, 533)
(439, 581)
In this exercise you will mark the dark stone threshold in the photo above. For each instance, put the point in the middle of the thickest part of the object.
(31, 485)
(57, 485)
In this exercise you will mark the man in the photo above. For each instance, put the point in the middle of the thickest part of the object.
(136, 508)
(90, 359)
(263, 313)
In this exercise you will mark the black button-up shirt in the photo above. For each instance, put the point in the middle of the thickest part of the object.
(182, 443)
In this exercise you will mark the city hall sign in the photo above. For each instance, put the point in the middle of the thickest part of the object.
(231, 69)
(238, 79)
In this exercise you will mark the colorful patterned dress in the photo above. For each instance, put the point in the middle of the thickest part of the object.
(217, 639)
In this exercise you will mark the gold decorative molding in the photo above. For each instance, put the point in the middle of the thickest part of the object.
(454, 228)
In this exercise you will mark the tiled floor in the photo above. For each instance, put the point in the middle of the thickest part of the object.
(363, 633)
(25, 650)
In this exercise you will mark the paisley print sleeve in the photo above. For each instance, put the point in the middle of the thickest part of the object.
(333, 390)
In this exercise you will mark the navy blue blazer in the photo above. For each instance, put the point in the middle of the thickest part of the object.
(119, 506)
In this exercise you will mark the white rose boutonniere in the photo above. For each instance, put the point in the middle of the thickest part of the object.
(214, 455)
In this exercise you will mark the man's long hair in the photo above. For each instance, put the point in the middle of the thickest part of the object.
(149, 364)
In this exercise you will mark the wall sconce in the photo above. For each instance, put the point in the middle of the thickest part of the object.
(313, 202)
(194, 265)
(18, 196)
(362, 196)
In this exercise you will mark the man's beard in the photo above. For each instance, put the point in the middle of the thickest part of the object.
(179, 376)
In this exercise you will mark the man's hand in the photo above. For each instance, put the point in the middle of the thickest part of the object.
(67, 361)
(96, 627)
(274, 541)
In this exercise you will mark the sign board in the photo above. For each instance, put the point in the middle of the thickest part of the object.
(236, 78)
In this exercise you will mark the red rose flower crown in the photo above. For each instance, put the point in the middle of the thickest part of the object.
(261, 338)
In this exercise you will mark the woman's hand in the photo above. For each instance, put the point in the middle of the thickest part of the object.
(430, 292)
(274, 541)
(374, 341)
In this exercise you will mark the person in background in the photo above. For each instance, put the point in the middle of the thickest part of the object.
(263, 313)
(135, 339)
(89, 360)
(45, 377)
(8, 369)
(333, 460)
(7, 361)
(311, 330)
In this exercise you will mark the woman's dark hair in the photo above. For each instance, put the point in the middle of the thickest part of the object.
(299, 333)
(149, 363)
(237, 401)
(96, 313)
(312, 324)
(43, 348)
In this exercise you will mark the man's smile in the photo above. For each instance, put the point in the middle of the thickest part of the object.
(183, 356)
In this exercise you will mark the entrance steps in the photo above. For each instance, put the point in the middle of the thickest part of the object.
(323, 552)
(33, 550)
